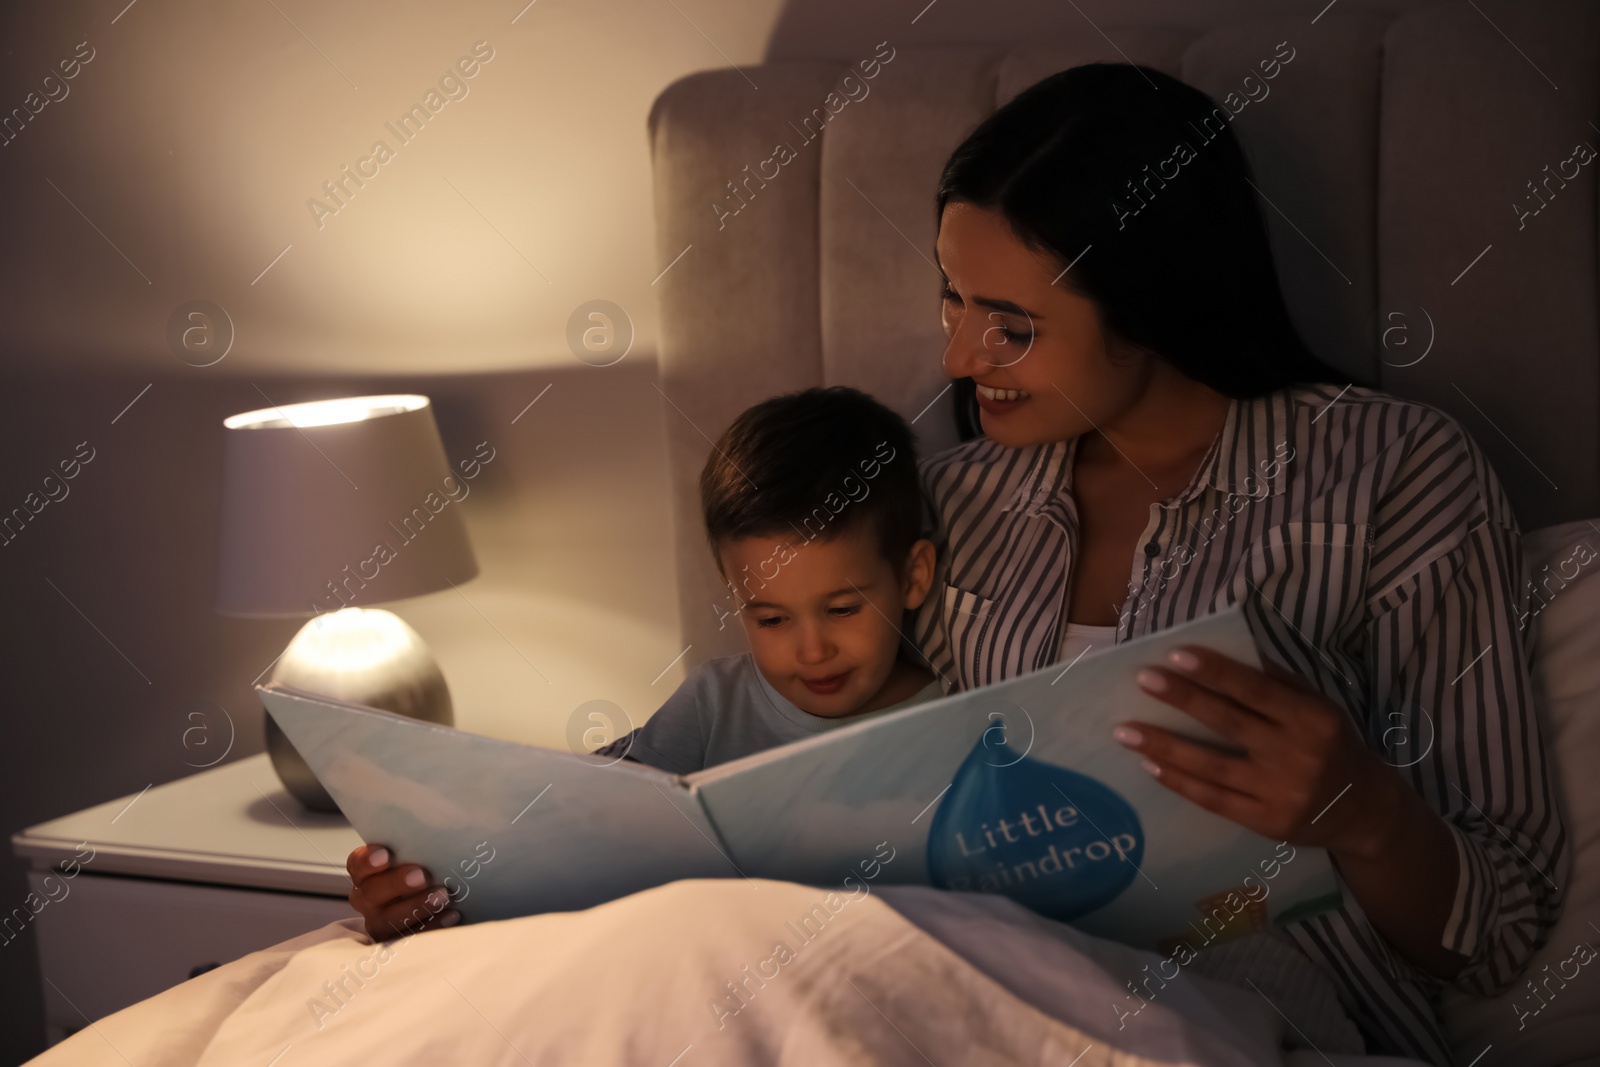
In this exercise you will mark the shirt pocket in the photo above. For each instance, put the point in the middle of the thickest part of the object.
(1311, 576)
(968, 621)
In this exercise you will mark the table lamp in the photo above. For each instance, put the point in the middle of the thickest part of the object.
(329, 506)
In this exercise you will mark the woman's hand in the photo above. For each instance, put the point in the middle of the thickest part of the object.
(1304, 775)
(395, 900)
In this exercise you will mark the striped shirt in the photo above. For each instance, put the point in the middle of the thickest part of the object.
(1376, 554)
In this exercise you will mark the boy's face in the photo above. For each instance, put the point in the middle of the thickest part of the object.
(822, 617)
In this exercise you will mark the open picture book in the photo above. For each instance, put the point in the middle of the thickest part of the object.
(1016, 788)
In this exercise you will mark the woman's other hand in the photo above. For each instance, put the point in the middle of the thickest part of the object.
(395, 899)
(1305, 776)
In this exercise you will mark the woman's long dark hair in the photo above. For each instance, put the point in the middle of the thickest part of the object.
(1082, 165)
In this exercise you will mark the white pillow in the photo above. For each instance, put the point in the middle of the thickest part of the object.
(1566, 679)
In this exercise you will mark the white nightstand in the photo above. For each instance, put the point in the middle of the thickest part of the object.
(182, 876)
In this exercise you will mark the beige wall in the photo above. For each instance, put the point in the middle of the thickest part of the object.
(847, 29)
(198, 132)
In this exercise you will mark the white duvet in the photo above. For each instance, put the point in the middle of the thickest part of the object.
(698, 972)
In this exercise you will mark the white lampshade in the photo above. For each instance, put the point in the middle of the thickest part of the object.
(337, 503)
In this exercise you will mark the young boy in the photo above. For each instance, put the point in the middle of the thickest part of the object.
(813, 512)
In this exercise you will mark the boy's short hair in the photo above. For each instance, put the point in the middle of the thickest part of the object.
(814, 464)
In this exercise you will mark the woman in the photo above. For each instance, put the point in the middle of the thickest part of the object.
(1159, 443)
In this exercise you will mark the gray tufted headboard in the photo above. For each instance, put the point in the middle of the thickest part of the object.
(1394, 158)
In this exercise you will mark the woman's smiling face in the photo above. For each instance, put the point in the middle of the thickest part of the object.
(1037, 351)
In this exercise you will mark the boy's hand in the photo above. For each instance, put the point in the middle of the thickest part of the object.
(395, 900)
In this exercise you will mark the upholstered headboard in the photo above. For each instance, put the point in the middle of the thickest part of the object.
(1421, 241)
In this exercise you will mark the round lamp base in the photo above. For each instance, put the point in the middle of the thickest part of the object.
(363, 656)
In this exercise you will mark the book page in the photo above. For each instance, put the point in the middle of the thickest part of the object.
(509, 829)
(1017, 788)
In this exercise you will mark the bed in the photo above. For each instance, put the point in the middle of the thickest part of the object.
(686, 973)
(1401, 263)
(906, 976)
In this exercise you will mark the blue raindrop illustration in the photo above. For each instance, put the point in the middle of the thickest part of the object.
(1054, 840)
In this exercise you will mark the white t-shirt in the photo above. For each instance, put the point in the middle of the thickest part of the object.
(1081, 638)
(725, 709)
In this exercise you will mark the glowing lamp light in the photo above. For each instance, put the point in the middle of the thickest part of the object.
(350, 640)
(326, 412)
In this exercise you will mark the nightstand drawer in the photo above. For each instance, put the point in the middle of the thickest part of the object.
(114, 941)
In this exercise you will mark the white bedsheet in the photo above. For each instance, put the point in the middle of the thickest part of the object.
(640, 981)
